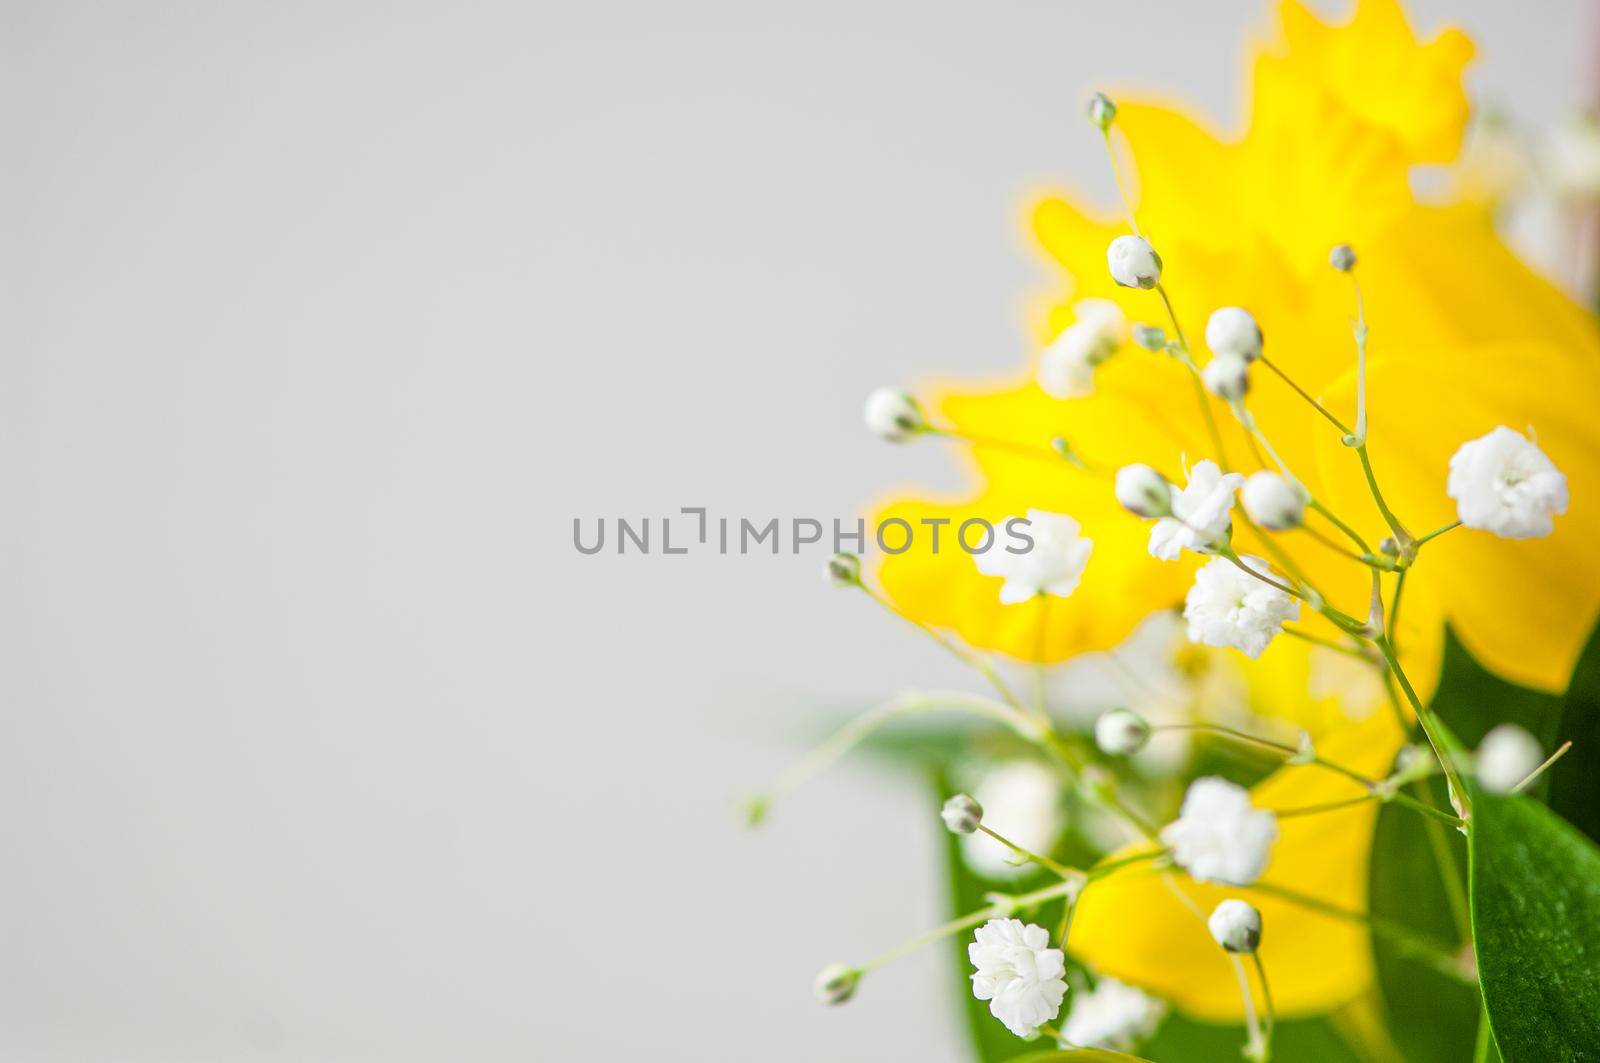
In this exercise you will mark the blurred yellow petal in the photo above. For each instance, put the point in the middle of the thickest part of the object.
(1134, 927)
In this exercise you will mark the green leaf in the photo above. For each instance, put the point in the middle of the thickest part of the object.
(1536, 923)
(1432, 1017)
(1080, 1055)
(1574, 784)
(1183, 1040)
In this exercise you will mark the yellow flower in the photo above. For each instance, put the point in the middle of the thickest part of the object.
(1464, 337)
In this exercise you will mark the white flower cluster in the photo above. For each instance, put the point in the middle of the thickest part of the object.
(1067, 365)
(1018, 973)
(1053, 565)
(1219, 836)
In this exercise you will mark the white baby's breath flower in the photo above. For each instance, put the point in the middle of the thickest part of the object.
(1572, 157)
(1507, 755)
(1066, 366)
(1227, 376)
(1053, 565)
(1133, 262)
(1112, 1015)
(1503, 483)
(961, 814)
(1232, 330)
(1235, 925)
(1021, 977)
(1199, 513)
(1228, 607)
(893, 415)
(1022, 799)
(1218, 835)
(1143, 491)
(1121, 732)
(1272, 501)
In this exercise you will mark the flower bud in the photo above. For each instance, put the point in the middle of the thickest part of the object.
(961, 814)
(844, 570)
(1102, 111)
(1272, 501)
(1134, 263)
(1143, 491)
(1151, 337)
(894, 415)
(1507, 755)
(836, 983)
(1236, 926)
(1121, 732)
(1233, 330)
(1227, 376)
(1342, 258)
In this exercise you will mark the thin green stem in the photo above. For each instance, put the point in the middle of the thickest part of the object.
(1329, 644)
(1437, 532)
(1255, 1044)
(1343, 431)
(1042, 861)
(1407, 801)
(1116, 176)
(1533, 776)
(1194, 375)
(1266, 743)
(1022, 903)
(983, 667)
(1449, 873)
(1266, 1002)
(1229, 553)
(1440, 749)
(1321, 807)
(1336, 548)
(1400, 533)
(1354, 536)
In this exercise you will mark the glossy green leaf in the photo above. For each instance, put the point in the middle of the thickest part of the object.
(1081, 1055)
(1574, 782)
(1536, 921)
(1472, 699)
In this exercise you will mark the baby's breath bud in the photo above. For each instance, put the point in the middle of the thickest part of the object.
(894, 415)
(1143, 491)
(1507, 755)
(1227, 376)
(1134, 263)
(1121, 732)
(961, 814)
(1305, 750)
(1102, 111)
(1235, 925)
(1272, 501)
(844, 570)
(1151, 337)
(836, 983)
(1342, 258)
(1233, 330)
(1389, 546)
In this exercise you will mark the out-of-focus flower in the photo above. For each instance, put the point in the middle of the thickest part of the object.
(894, 415)
(1066, 366)
(1120, 732)
(1022, 799)
(961, 814)
(1572, 157)
(1235, 925)
(836, 983)
(1227, 376)
(1230, 607)
(1054, 564)
(1507, 755)
(1199, 513)
(1021, 977)
(1112, 1015)
(1133, 262)
(1218, 835)
(1233, 330)
(1503, 483)
(1272, 501)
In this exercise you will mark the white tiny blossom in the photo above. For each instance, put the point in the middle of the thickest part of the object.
(1199, 513)
(1143, 491)
(1235, 925)
(894, 415)
(1572, 157)
(1134, 263)
(1022, 798)
(1218, 835)
(1053, 565)
(961, 814)
(1066, 366)
(1113, 1016)
(1228, 607)
(1503, 483)
(1507, 755)
(1232, 330)
(1227, 376)
(1021, 977)
(1121, 732)
(1272, 501)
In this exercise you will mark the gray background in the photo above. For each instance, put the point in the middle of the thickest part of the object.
(322, 321)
